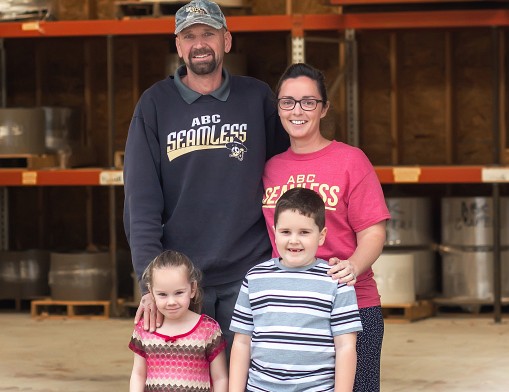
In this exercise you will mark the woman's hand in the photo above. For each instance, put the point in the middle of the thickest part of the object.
(343, 271)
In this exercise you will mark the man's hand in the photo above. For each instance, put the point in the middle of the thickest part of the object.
(147, 310)
(343, 271)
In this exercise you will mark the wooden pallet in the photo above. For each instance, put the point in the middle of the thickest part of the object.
(156, 9)
(27, 161)
(14, 304)
(53, 309)
(404, 313)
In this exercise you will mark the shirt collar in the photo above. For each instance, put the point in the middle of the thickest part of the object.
(190, 96)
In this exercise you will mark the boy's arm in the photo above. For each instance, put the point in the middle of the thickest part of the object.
(240, 358)
(219, 373)
(138, 374)
(346, 361)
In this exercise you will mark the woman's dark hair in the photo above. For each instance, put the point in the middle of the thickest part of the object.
(302, 69)
(170, 259)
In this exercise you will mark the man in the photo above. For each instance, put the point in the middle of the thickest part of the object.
(194, 159)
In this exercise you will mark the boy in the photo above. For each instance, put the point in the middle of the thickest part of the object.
(295, 328)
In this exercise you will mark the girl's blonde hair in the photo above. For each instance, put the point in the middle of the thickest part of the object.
(172, 258)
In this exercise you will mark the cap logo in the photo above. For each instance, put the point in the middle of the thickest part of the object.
(196, 10)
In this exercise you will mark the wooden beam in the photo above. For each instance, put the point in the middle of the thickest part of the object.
(449, 137)
(502, 98)
(394, 100)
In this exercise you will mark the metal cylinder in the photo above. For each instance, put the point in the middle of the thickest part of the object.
(22, 131)
(394, 276)
(406, 269)
(24, 274)
(63, 128)
(468, 274)
(404, 276)
(410, 223)
(80, 276)
(468, 221)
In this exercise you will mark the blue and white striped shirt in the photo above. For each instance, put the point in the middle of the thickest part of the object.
(292, 315)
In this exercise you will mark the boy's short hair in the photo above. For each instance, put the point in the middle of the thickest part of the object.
(305, 201)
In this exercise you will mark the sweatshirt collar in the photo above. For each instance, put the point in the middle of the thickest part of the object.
(191, 96)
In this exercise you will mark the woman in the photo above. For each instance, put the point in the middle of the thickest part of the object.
(356, 212)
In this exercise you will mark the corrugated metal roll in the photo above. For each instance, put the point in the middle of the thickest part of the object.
(80, 276)
(22, 131)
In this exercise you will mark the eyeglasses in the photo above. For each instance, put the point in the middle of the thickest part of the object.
(307, 104)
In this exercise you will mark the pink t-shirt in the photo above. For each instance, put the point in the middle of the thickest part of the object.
(353, 198)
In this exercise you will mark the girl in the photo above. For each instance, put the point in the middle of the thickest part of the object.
(355, 206)
(186, 353)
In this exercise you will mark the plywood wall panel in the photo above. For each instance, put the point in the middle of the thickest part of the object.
(268, 7)
(98, 87)
(473, 96)
(21, 72)
(374, 96)
(421, 84)
(124, 80)
(62, 69)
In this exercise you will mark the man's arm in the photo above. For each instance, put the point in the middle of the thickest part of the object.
(346, 361)
(143, 206)
(240, 359)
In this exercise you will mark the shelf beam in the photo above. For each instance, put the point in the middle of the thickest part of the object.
(158, 26)
(381, 2)
(386, 174)
(60, 177)
(426, 19)
(263, 23)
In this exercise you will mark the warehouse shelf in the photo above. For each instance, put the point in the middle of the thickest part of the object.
(163, 25)
(297, 25)
(268, 23)
(386, 174)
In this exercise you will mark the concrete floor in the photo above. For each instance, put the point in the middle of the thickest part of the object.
(436, 354)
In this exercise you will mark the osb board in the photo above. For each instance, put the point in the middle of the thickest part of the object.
(421, 90)
(332, 125)
(139, 64)
(374, 96)
(83, 9)
(105, 9)
(61, 69)
(473, 96)
(21, 72)
(421, 86)
(73, 9)
(56, 217)
(268, 7)
(37, 218)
